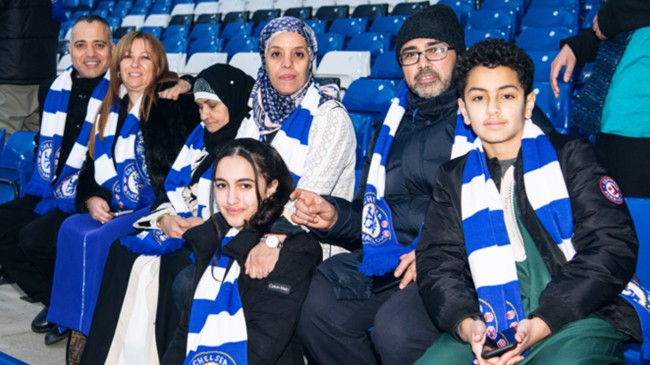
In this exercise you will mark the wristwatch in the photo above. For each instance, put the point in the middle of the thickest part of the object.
(271, 241)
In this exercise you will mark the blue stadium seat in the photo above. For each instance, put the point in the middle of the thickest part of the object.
(205, 45)
(208, 19)
(476, 35)
(329, 13)
(303, 13)
(349, 26)
(265, 15)
(236, 16)
(640, 211)
(260, 27)
(542, 39)
(514, 7)
(556, 109)
(367, 101)
(78, 14)
(542, 60)
(113, 22)
(181, 19)
(17, 163)
(376, 43)
(139, 10)
(100, 12)
(143, 3)
(241, 44)
(121, 9)
(408, 8)
(386, 67)
(176, 32)
(370, 11)
(106, 4)
(121, 31)
(462, 8)
(588, 18)
(329, 42)
(175, 45)
(204, 31)
(155, 31)
(571, 5)
(318, 25)
(63, 29)
(550, 18)
(3, 135)
(86, 4)
(70, 4)
(492, 19)
(388, 24)
(161, 8)
(237, 29)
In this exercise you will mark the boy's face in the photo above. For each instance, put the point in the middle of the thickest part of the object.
(496, 108)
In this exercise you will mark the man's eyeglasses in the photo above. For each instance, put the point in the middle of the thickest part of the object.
(431, 54)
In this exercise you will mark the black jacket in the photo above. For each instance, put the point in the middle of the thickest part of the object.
(164, 133)
(614, 16)
(28, 42)
(271, 305)
(604, 239)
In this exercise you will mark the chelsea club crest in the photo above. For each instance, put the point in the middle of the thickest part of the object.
(67, 187)
(375, 228)
(44, 160)
(131, 183)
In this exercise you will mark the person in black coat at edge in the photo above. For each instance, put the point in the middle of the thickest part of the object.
(351, 318)
(232, 316)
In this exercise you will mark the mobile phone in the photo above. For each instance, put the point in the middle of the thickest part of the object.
(122, 212)
(491, 349)
(384, 282)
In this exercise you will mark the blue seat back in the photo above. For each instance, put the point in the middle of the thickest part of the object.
(179, 31)
(303, 13)
(542, 39)
(463, 9)
(237, 29)
(329, 42)
(205, 45)
(241, 44)
(236, 16)
(542, 60)
(370, 11)
(265, 15)
(640, 211)
(161, 8)
(349, 26)
(386, 67)
(260, 27)
(492, 19)
(155, 31)
(204, 31)
(389, 24)
(550, 18)
(476, 35)
(329, 13)
(375, 43)
(175, 45)
(17, 161)
(408, 8)
(556, 109)
(318, 25)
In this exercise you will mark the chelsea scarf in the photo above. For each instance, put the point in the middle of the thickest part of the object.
(292, 140)
(125, 173)
(62, 194)
(217, 328)
(486, 237)
(154, 241)
(381, 250)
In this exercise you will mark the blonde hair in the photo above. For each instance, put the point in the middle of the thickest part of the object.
(161, 75)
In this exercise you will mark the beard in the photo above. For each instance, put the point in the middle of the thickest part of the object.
(431, 89)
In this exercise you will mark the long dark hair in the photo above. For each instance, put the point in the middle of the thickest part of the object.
(268, 164)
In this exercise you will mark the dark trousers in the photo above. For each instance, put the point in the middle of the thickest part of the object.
(390, 328)
(28, 245)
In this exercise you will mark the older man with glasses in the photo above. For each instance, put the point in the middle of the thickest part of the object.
(364, 307)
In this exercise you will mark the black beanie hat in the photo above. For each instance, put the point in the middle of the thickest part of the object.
(438, 22)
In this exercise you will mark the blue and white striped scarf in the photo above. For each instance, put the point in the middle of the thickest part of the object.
(217, 328)
(381, 250)
(154, 241)
(61, 196)
(292, 140)
(125, 173)
(486, 237)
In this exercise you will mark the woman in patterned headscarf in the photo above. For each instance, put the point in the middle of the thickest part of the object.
(306, 123)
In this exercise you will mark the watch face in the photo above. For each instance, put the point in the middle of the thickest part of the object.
(271, 241)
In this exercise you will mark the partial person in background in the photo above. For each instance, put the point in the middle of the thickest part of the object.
(613, 105)
(29, 225)
(135, 318)
(137, 136)
(232, 317)
(28, 45)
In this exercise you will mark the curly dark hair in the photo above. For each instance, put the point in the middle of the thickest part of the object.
(493, 53)
(267, 163)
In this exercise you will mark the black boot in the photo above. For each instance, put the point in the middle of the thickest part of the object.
(40, 323)
(53, 335)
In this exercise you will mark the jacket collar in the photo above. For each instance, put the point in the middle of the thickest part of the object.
(423, 112)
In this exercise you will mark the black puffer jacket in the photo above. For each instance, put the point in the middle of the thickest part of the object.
(604, 239)
(271, 305)
(28, 42)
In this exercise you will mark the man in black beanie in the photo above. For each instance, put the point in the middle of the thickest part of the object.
(353, 318)
(368, 317)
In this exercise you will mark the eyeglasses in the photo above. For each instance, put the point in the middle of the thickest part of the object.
(431, 54)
